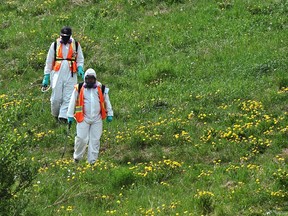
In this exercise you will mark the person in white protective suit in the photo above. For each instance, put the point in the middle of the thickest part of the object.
(89, 105)
(64, 61)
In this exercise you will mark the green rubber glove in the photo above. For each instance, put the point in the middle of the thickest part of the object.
(46, 80)
(80, 71)
(70, 120)
(109, 118)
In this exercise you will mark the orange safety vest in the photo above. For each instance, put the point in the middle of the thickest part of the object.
(71, 57)
(79, 110)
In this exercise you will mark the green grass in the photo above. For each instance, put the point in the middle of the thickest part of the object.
(199, 92)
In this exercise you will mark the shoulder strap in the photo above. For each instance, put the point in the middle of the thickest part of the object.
(103, 89)
(76, 45)
(55, 46)
(80, 86)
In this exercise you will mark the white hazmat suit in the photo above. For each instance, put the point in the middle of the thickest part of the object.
(62, 81)
(89, 131)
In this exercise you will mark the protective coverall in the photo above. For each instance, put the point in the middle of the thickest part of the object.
(62, 81)
(89, 131)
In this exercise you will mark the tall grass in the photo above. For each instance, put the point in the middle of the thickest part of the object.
(199, 91)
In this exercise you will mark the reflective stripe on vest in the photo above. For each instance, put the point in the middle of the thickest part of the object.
(71, 56)
(79, 109)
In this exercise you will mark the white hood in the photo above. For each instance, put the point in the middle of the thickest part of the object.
(90, 72)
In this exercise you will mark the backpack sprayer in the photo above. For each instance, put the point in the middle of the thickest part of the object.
(44, 89)
(68, 134)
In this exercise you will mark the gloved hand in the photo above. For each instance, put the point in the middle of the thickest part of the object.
(70, 120)
(80, 71)
(46, 80)
(109, 118)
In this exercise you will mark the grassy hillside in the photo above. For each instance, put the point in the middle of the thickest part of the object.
(199, 92)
